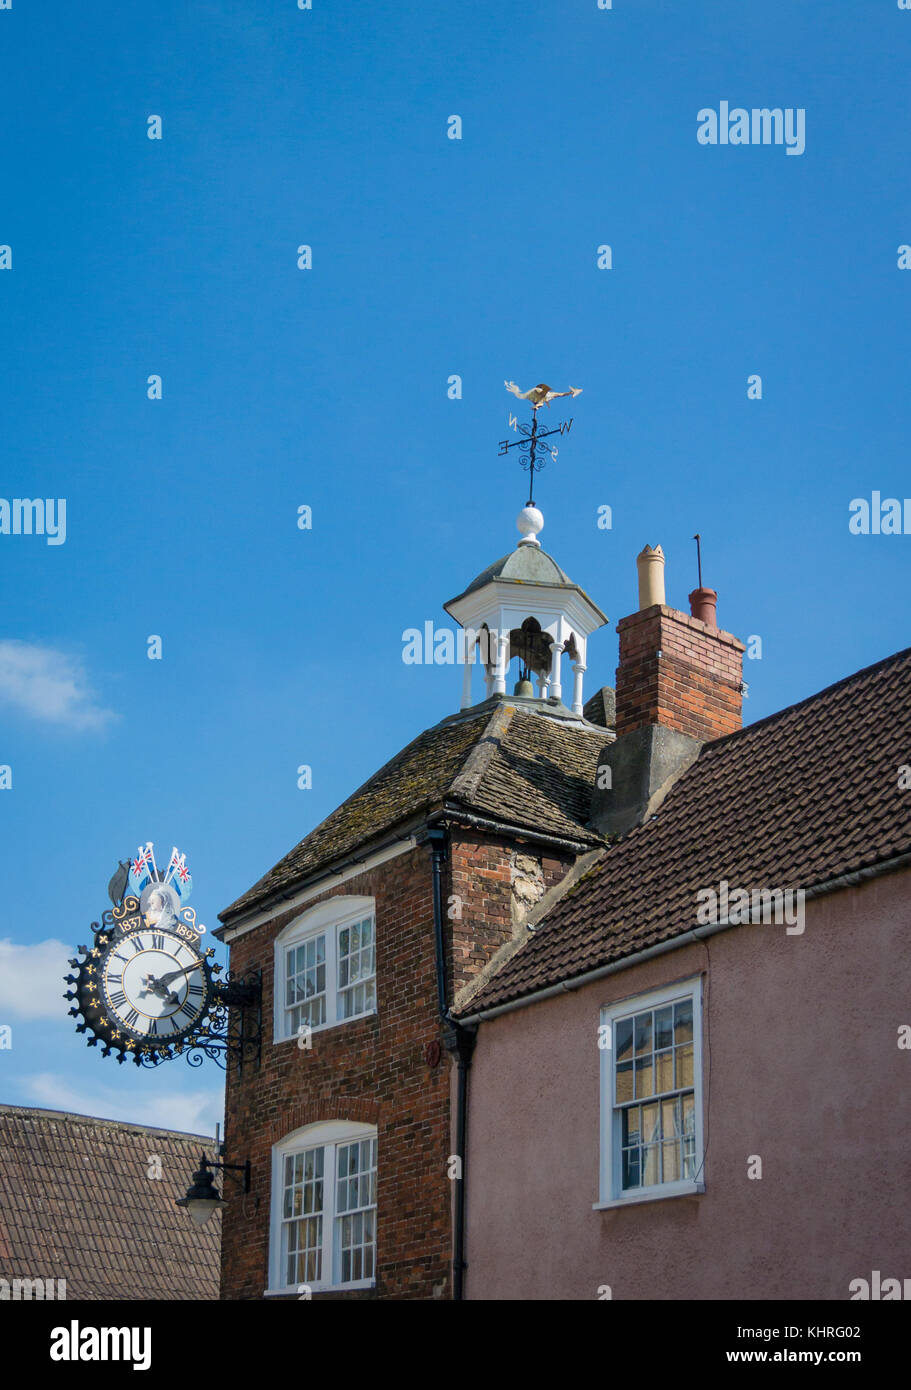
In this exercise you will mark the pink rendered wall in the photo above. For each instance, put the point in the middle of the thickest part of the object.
(801, 1032)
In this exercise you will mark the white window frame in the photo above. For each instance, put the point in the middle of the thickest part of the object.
(611, 1192)
(326, 919)
(326, 1134)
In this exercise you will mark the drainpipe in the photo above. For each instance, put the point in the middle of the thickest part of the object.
(459, 1042)
(436, 837)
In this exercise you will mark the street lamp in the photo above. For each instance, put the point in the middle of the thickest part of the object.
(203, 1196)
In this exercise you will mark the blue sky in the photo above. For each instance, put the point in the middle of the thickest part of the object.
(328, 387)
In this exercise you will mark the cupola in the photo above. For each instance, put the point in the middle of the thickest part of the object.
(525, 609)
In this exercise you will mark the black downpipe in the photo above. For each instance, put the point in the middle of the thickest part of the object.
(437, 840)
(459, 1042)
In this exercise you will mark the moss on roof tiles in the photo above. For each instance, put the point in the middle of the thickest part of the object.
(524, 768)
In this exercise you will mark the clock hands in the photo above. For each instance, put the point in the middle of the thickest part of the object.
(162, 987)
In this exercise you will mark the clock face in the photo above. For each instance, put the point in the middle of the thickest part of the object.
(155, 986)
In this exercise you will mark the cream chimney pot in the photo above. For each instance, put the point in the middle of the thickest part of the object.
(650, 564)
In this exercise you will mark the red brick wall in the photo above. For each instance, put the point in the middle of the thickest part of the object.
(481, 880)
(373, 1070)
(693, 686)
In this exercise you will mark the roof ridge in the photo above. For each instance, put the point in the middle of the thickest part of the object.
(466, 782)
(808, 699)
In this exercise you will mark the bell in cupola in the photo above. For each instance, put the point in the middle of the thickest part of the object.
(524, 687)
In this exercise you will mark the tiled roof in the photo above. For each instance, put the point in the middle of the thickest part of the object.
(77, 1203)
(527, 769)
(800, 798)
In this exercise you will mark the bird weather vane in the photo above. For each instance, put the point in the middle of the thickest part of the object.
(530, 444)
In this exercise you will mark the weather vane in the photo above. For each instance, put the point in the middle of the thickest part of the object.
(530, 446)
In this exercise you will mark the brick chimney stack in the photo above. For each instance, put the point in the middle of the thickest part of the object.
(679, 685)
(675, 669)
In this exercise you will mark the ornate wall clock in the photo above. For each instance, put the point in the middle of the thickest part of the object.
(146, 987)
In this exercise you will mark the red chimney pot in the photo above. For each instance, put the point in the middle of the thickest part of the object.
(703, 603)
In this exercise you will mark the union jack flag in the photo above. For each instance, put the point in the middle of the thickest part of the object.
(179, 875)
(141, 868)
(144, 857)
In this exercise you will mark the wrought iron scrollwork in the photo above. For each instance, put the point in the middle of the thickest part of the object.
(533, 453)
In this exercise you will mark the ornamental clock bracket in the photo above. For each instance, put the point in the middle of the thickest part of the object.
(146, 988)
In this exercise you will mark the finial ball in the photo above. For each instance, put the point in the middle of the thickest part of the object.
(529, 521)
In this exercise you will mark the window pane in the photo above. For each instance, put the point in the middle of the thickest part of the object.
(624, 1082)
(631, 1169)
(688, 1130)
(651, 1172)
(302, 1221)
(643, 1034)
(664, 1026)
(623, 1039)
(355, 1202)
(651, 1124)
(305, 984)
(631, 1126)
(356, 970)
(683, 1021)
(670, 1158)
(684, 1065)
(644, 1078)
(664, 1070)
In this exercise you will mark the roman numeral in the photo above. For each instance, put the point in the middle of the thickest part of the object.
(153, 1027)
(131, 1018)
(118, 998)
(195, 990)
(136, 943)
(158, 943)
(114, 979)
(119, 957)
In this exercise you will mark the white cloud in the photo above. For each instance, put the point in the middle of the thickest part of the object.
(31, 979)
(49, 684)
(192, 1112)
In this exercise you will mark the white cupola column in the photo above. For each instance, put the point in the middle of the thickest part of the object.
(578, 673)
(542, 687)
(556, 689)
(466, 676)
(499, 674)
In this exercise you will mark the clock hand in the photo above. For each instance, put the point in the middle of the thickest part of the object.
(176, 974)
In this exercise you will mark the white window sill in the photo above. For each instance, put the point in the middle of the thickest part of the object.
(652, 1194)
(294, 1291)
(323, 1028)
